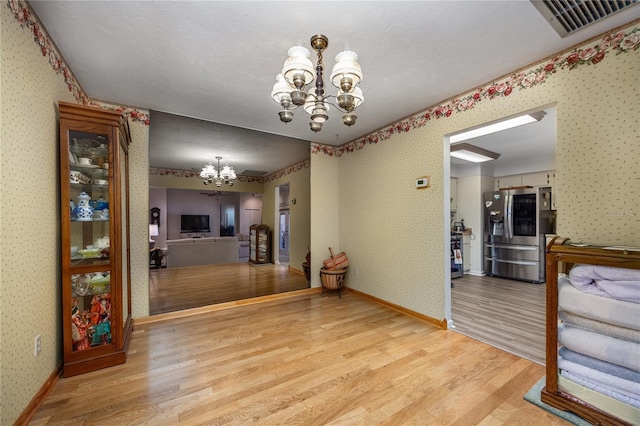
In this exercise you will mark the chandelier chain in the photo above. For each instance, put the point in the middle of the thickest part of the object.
(319, 80)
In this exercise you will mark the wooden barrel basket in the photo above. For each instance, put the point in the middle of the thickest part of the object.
(332, 279)
(306, 267)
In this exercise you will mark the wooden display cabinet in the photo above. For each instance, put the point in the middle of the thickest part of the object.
(96, 266)
(561, 256)
(259, 244)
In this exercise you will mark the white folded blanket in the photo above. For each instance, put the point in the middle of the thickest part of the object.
(596, 364)
(604, 348)
(612, 311)
(616, 384)
(624, 333)
(606, 281)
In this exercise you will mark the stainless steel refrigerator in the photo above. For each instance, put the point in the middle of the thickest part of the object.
(516, 221)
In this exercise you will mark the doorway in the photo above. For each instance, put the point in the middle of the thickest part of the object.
(527, 150)
(227, 220)
(281, 225)
(283, 243)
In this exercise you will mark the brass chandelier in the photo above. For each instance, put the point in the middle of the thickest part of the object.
(297, 72)
(209, 174)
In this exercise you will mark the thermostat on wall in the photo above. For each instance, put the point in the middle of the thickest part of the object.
(422, 182)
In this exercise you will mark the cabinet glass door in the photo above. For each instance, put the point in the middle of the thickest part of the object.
(125, 236)
(252, 245)
(263, 248)
(89, 239)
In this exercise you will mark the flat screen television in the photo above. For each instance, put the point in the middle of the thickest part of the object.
(194, 223)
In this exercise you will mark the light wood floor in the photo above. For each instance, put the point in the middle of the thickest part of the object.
(175, 289)
(314, 360)
(505, 313)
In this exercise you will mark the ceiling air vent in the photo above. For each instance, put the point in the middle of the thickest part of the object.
(568, 16)
(256, 173)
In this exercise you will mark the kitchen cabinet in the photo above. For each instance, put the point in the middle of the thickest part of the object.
(508, 182)
(552, 184)
(539, 179)
(95, 236)
(466, 249)
(528, 179)
(536, 179)
(259, 244)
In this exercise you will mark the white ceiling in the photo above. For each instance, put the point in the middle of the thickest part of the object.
(185, 143)
(217, 61)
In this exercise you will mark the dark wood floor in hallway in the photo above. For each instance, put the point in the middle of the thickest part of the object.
(175, 289)
(505, 313)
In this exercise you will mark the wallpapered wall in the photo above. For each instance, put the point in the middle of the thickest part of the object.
(30, 218)
(139, 199)
(325, 211)
(394, 234)
(30, 226)
(300, 212)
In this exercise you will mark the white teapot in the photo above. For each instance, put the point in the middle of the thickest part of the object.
(83, 212)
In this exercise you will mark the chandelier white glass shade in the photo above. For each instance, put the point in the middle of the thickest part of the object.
(290, 91)
(346, 73)
(310, 102)
(210, 175)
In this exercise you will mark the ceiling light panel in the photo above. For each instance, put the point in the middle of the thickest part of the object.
(475, 154)
(470, 156)
(497, 127)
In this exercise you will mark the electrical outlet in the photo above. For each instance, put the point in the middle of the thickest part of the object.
(355, 270)
(37, 345)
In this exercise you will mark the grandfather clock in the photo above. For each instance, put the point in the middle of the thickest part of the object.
(155, 217)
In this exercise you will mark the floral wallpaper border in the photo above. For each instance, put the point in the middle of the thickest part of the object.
(304, 164)
(24, 15)
(618, 42)
(241, 178)
(27, 19)
(154, 171)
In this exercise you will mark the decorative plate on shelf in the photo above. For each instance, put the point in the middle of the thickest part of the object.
(90, 253)
(88, 143)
